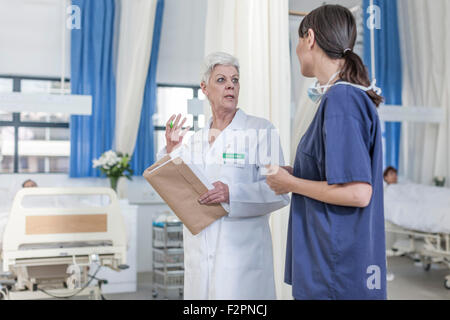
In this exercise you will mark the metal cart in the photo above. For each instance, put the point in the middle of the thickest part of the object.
(168, 257)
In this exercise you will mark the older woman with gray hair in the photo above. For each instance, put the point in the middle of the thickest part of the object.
(231, 258)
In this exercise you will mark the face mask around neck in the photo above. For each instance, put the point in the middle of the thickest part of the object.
(316, 92)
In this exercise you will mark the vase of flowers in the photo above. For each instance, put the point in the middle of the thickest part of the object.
(114, 165)
(439, 181)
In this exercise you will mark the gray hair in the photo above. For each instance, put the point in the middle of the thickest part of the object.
(218, 58)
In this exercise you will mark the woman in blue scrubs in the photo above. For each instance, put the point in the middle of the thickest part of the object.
(336, 239)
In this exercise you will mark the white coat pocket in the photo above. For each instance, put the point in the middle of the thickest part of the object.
(243, 242)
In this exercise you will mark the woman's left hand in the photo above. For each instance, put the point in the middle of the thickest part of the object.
(219, 194)
(279, 180)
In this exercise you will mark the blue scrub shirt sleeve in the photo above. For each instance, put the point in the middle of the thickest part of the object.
(347, 154)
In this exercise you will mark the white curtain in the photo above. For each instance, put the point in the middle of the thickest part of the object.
(304, 114)
(296, 75)
(257, 33)
(136, 23)
(303, 109)
(425, 46)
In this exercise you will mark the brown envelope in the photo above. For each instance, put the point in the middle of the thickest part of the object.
(180, 188)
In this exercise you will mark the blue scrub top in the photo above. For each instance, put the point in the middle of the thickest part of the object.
(336, 252)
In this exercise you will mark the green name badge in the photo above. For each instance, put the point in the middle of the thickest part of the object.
(234, 156)
(236, 159)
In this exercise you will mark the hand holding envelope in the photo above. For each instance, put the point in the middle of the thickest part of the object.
(181, 184)
(219, 194)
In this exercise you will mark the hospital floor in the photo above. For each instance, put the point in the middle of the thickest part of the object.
(410, 282)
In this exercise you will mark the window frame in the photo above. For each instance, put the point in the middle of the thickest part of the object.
(16, 122)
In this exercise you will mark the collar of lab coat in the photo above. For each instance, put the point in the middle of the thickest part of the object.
(238, 121)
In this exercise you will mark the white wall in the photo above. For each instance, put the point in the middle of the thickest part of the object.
(31, 37)
(308, 5)
(182, 42)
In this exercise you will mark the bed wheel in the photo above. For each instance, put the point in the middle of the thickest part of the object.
(447, 284)
(427, 266)
(154, 293)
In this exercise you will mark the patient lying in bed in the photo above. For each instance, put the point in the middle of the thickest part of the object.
(390, 175)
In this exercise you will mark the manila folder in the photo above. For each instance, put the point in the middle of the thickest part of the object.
(180, 188)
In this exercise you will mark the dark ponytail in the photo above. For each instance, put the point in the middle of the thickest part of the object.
(335, 32)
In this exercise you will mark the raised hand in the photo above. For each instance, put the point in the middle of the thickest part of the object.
(175, 134)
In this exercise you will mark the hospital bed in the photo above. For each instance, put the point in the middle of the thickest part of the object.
(422, 213)
(56, 251)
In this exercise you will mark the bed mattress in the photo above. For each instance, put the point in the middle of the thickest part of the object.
(418, 207)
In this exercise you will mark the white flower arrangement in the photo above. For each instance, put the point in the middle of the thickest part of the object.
(114, 165)
(439, 181)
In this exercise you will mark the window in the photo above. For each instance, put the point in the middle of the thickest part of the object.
(172, 99)
(34, 142)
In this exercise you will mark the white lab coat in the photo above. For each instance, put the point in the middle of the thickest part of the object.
(232, 258)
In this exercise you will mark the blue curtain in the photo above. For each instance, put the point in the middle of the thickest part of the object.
(388, 67)
(92, 74)
(143, 155)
